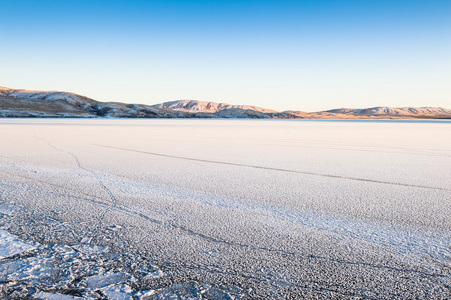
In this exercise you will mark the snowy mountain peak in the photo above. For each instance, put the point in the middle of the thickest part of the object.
(207, 107)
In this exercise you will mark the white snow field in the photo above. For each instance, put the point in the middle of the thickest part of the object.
(224, 209)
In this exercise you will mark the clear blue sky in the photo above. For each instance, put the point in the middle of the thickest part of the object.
(301, 55)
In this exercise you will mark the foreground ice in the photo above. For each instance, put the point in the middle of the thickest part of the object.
(10, 245)
(209, 209)
(101, 281)
(50, 296)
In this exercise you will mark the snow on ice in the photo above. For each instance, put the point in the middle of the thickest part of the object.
(224, 209)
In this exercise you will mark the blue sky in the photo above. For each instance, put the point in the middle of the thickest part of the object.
(301, 55)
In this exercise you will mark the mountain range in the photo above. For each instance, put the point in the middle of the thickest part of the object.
(16, 103)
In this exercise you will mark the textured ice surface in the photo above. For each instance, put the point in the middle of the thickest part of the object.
(118, 292)
(223, 209)
(10, 245)
(50, 296)
(101, 281)
(6, 210)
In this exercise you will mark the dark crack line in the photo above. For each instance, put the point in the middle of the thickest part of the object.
(277, 169)
(420, 152)
(98, 179)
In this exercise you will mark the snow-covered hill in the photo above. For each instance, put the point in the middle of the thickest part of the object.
(43, 104)
(23, 104)
(246, 111)
(394, 111)
(382, 112)
(208, 107)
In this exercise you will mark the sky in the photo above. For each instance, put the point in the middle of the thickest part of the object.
(283, 55)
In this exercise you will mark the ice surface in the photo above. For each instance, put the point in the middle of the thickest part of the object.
(90, 249)
(10, 245)
(118, 292)
(6, 210)
(223, 209)
(50, 296)
(101, 281)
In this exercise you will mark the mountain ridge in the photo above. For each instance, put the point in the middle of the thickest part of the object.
(20, 103)
(206, 106)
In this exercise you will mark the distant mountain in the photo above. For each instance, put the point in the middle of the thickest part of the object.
(38, 104)
(385, 111)
(381, 112)
(238, 111)
(42, 104)
(194, 106)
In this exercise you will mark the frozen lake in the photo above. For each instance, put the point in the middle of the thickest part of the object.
(223, 209)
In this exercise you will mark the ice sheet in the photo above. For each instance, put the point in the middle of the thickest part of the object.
(259, 209)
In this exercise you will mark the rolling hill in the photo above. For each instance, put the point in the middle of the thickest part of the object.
(17, 103)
